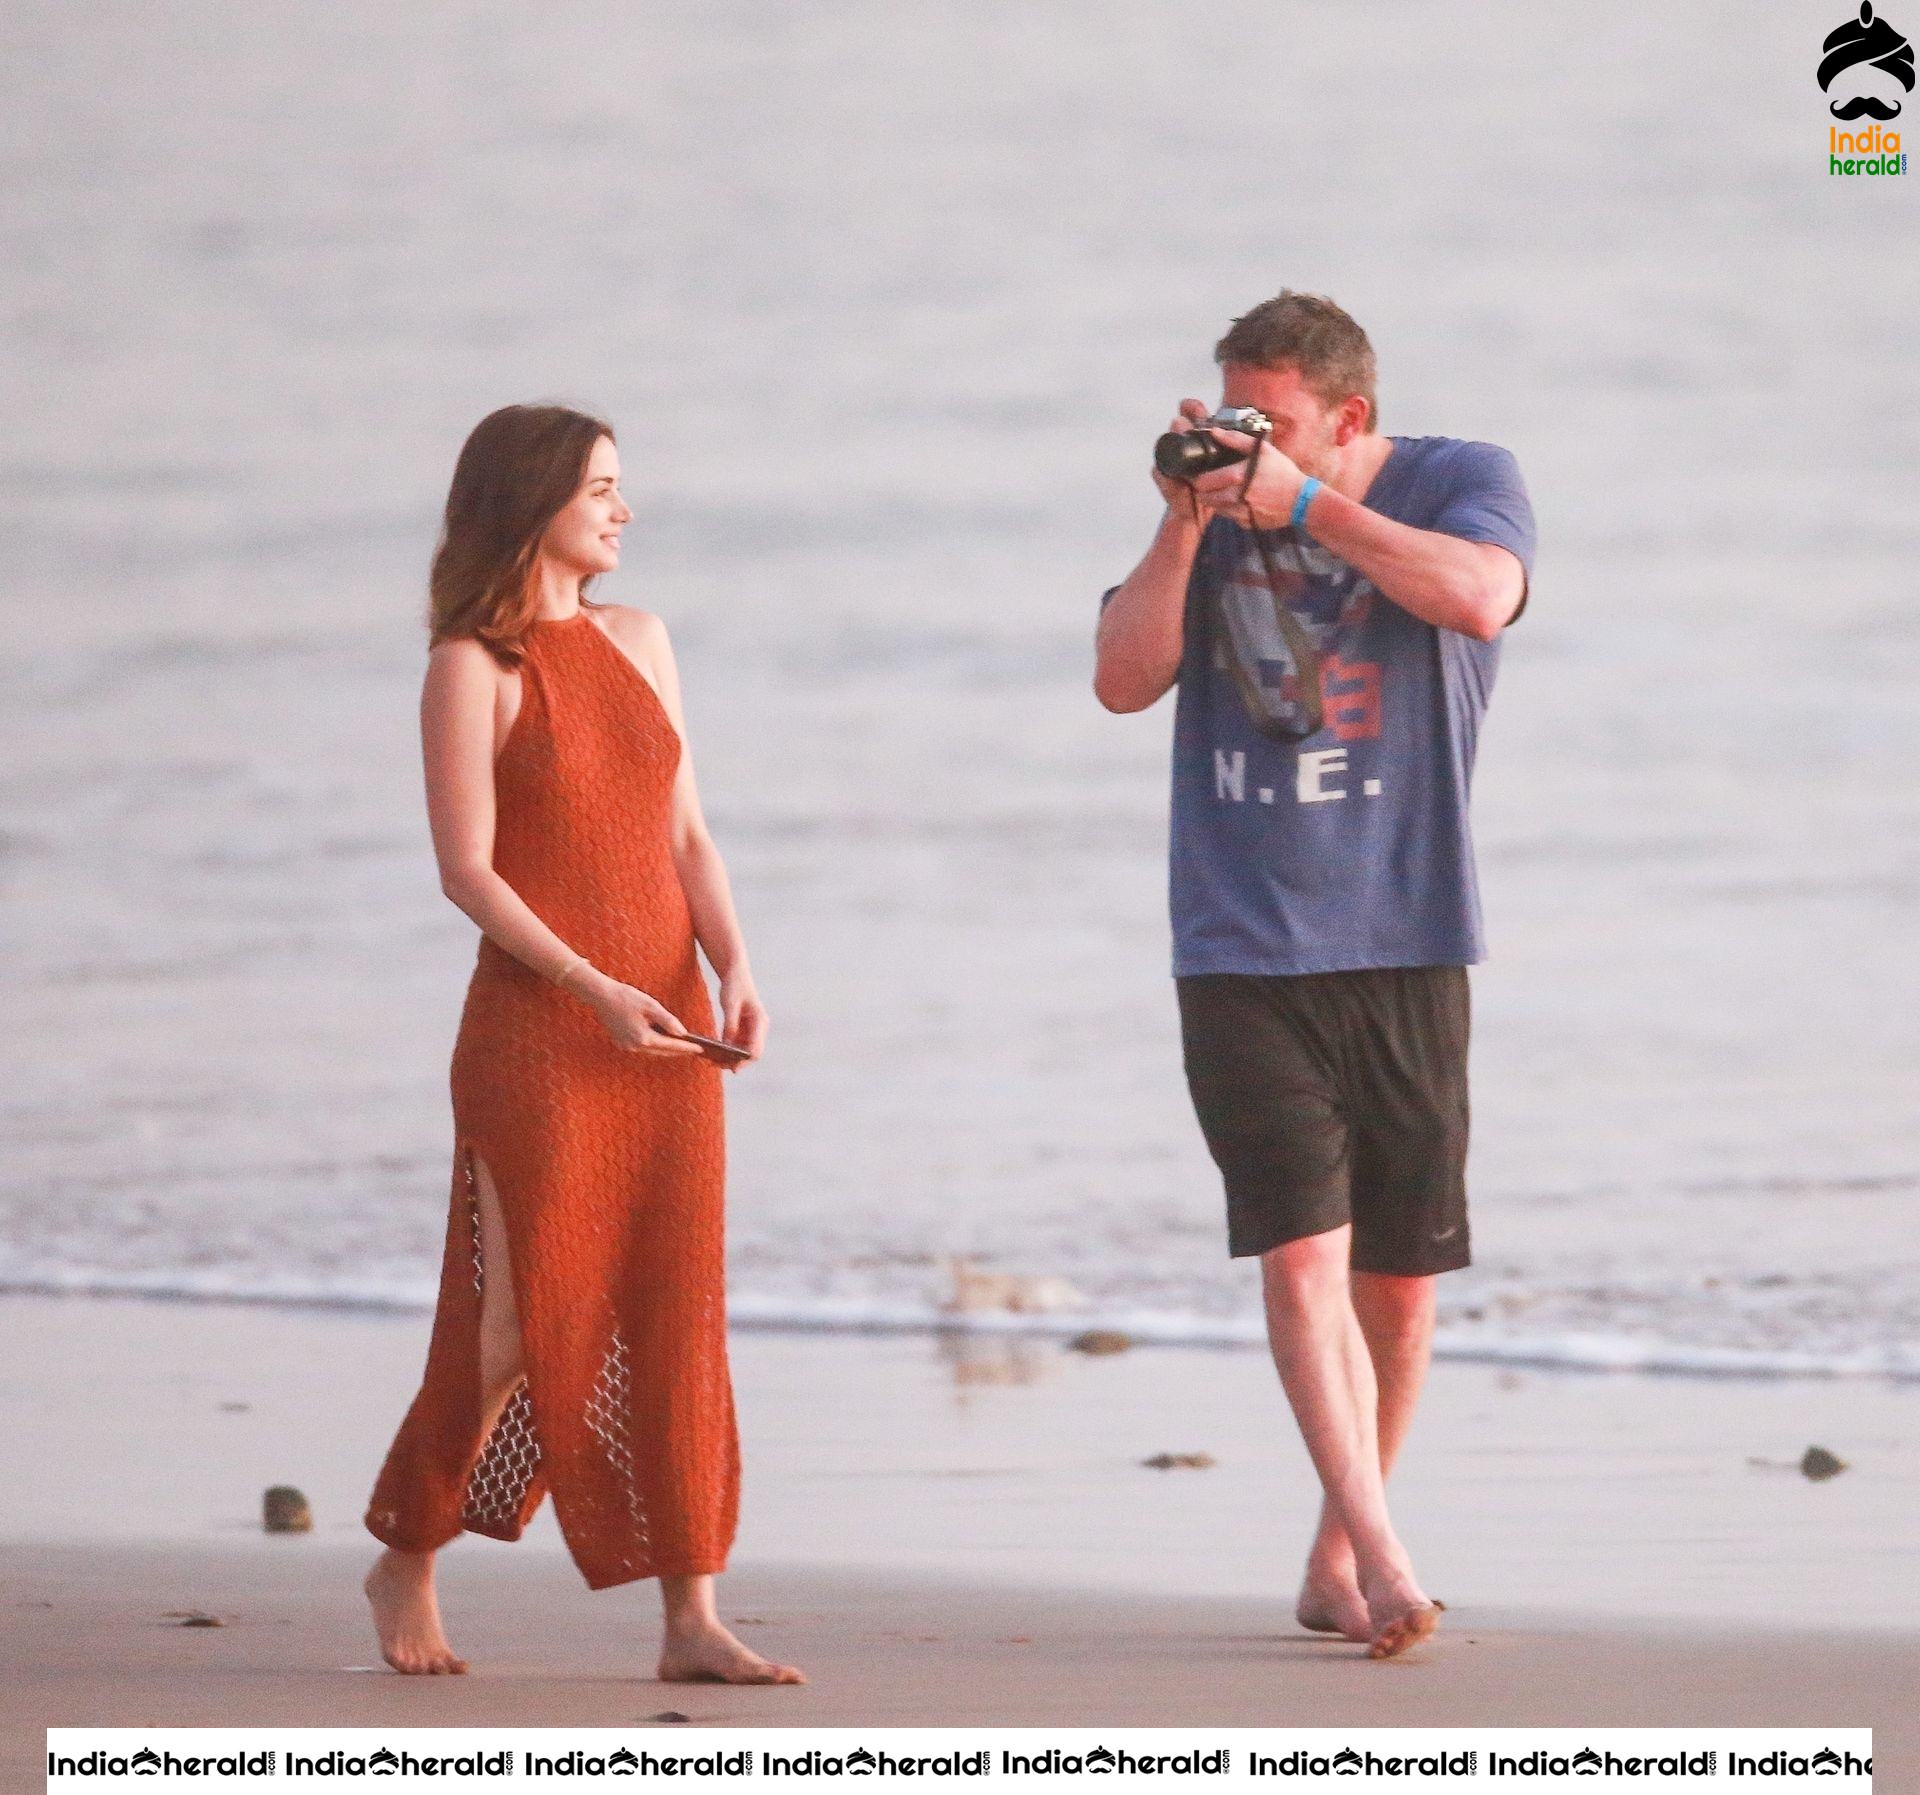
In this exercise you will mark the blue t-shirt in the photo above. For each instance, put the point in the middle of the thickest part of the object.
(1348, 849)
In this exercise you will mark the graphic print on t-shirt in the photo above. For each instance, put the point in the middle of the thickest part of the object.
(1331, 602)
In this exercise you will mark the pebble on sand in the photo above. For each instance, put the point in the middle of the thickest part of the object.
(1180, 1461)
(1819, 1464)
(285, 1510)
(1098, 1341)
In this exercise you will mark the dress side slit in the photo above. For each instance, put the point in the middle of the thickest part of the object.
(498, 1502)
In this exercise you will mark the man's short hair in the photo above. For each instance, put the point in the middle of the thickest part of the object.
(1311, 333)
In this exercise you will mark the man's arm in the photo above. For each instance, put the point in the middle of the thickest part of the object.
(1472, 587)
(1143, 625)
(1143, 621)
(1453, 582)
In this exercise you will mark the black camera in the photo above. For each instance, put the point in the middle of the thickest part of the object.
(1184, 454)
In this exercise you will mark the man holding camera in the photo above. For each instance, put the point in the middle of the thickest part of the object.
(1329, 602)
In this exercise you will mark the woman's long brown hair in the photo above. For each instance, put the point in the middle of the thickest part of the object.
(517, 472)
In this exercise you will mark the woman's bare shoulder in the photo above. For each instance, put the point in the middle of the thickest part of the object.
(642, 635)
(459, 648)
(631, 624)
(461, 657)
(462, 668)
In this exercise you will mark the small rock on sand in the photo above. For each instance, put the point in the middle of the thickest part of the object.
(1180, 1461)
(285, 1510)
(1818, 1464)
(1099, 1341)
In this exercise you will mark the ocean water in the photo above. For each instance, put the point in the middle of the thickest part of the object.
(886, 307)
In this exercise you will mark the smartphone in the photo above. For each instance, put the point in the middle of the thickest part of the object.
(725, 1051)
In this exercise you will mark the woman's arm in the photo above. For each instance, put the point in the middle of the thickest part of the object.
(703, 874)
(457, 706)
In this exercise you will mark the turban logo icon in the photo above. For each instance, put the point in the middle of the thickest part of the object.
(1866, 40)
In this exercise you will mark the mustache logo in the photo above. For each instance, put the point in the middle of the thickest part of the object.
(1872, 41)
(1866, 106)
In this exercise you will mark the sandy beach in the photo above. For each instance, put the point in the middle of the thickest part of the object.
(958, 1531)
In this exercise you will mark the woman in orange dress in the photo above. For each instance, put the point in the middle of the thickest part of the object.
(579, 1347)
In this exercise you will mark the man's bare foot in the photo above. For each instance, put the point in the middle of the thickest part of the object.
(1400, 1621)
(710, 1654)
(1330, 1598)
(406, 1615)
(1334, 1611)
(1330, 1602)
(1318, 1614)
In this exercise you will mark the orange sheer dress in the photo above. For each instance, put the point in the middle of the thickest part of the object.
(609, 1166)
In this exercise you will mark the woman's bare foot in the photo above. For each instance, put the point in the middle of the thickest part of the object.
(406, 1615)
(708, 1653)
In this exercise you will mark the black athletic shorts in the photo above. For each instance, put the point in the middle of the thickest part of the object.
(1330, 1097)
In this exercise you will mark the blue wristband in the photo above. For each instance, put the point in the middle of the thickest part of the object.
(1308, 487)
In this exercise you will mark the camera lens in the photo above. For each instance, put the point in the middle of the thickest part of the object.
(1182, 454)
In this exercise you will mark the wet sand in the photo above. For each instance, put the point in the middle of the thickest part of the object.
(882, 1649)
(957, 1532)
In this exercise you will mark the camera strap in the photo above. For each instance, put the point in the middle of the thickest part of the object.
(1279, 719)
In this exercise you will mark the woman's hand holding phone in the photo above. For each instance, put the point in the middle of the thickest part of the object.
(638, 1023)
